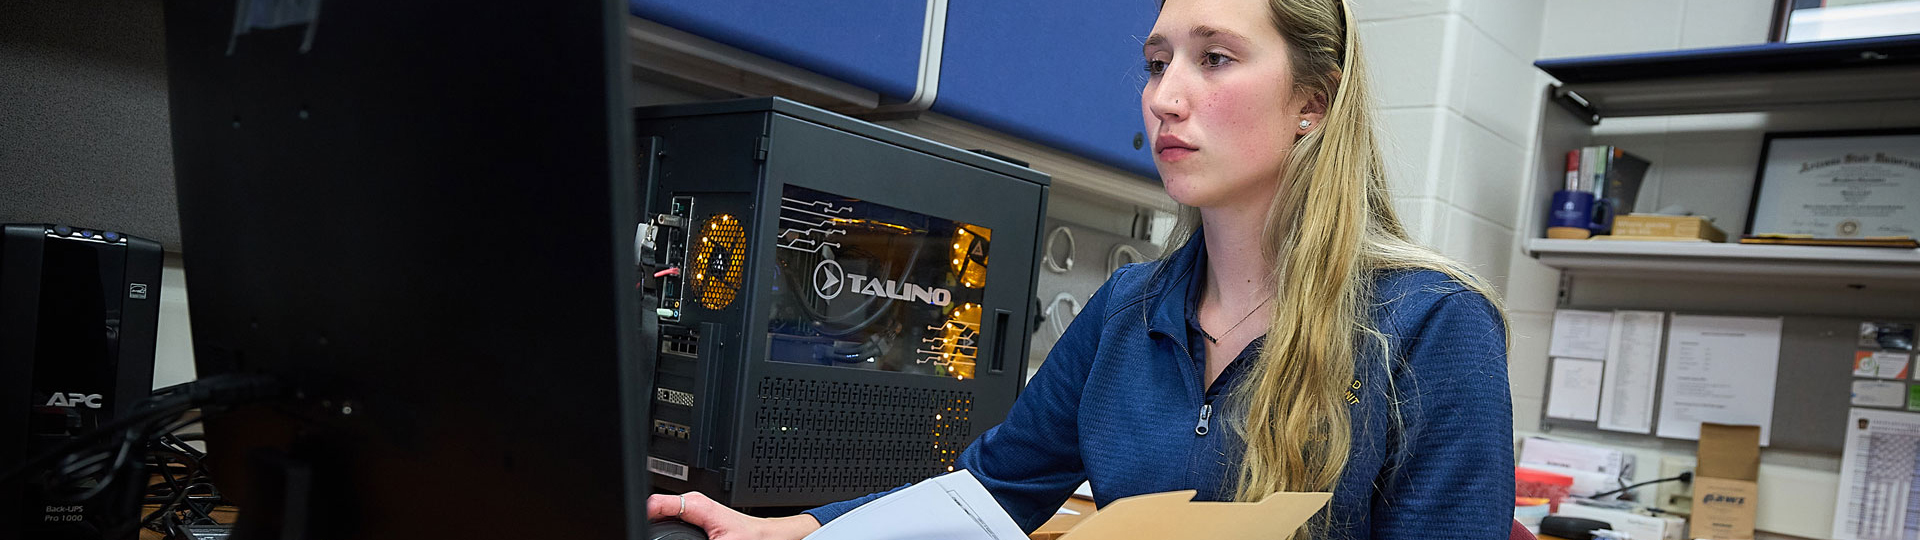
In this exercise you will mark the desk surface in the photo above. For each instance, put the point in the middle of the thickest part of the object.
(224, 515)
(1053, 528)
(1058, 526)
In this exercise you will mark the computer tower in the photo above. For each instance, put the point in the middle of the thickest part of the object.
(851, 306)
(79, 310)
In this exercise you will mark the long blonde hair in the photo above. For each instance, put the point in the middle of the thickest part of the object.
(1330, 231)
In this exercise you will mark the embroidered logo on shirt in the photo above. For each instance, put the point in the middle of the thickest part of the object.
(1351, 397)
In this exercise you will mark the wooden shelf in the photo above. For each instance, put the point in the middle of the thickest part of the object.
(1707, 259)
(1738, 79)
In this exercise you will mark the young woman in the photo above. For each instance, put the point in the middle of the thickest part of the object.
(1298, 340)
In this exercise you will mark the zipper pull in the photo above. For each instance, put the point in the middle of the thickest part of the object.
(1206, 412)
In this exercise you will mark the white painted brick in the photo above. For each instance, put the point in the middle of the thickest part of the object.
(1408, 140)
(1590, 27)
(1485, 173)
(1406, 57)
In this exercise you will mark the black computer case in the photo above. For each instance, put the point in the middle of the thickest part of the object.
(852, 304)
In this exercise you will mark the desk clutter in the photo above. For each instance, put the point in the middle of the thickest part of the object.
(1579, 491)
(1845, 387)
(1602, 182)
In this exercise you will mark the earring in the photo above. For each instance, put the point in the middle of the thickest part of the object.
(1305, 123)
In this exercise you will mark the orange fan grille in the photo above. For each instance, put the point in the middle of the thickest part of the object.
(716, 272)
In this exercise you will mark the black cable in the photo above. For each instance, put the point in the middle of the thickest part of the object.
(178, 442)
(178, 490)
(1684, 477)
(104, 463)
(220, 389)
(107, 474)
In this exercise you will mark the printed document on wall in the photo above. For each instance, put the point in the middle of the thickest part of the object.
(1632, 369)
(1876, 499)
(1574, 391)
(1721, 370)
(1579, 334)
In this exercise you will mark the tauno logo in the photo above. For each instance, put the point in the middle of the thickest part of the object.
(1716, 497)
(829, 280)
(91, 401)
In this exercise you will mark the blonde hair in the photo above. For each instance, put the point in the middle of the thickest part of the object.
(1330, 231)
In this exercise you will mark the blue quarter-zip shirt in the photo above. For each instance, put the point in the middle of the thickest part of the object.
(1119, 403)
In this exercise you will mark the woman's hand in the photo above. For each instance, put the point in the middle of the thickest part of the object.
(722, 523)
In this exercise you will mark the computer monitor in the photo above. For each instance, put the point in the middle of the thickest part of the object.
(419, 217)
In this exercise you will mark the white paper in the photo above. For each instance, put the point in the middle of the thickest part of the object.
(1573, 455)
(1876, 475)
(953, 506)
(1594, 468)
(1721, 370)
(1580, 334)
(1632, 369)
(1912, 521)
(1574, 391)
(1879, 394)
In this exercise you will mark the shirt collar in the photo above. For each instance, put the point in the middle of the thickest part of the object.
(1173, 309)
(1172, 319)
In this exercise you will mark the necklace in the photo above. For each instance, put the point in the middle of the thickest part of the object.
(1230, 329)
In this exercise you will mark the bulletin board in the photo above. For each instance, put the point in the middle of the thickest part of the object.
(1813, 386)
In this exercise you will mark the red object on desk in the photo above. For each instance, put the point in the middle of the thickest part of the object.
(1543, 484)
(1520, 532)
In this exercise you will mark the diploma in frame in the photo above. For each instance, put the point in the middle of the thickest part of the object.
(1838, 184)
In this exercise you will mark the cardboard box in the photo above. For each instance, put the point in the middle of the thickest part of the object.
(1667, 226)
(1725, 488)
(1174, 514)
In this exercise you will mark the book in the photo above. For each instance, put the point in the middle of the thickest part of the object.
(1614, 176)
(1623, 173)
(1573, 171)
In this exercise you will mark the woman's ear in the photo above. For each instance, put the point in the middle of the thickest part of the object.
(1313, 110)
(1311, 113)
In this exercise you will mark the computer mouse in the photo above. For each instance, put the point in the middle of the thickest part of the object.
(674, 530)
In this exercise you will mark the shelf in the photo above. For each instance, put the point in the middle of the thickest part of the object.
(1728, 260)
(1738, 79)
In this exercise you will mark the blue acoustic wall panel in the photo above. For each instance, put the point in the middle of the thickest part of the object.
(1065, 73)
(873, 44)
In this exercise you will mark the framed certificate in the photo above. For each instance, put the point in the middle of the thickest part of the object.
(1838, 184)
(1796, 21)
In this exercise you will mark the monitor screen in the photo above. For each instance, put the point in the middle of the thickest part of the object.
(419, 217)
